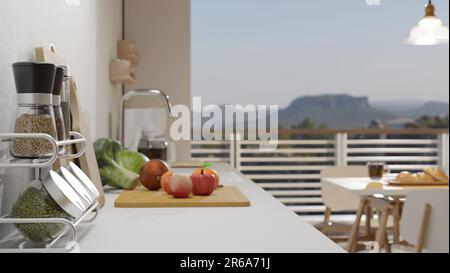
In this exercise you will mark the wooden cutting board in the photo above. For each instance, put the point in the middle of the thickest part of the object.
(87, 162)
(143, 198)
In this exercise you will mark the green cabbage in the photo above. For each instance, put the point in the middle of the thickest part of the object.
(107, 148)
(114, 175)
(119, 168)
(131, 160)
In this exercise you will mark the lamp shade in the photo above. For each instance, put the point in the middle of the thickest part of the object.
(430, 30)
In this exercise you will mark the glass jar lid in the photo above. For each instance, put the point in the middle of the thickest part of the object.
(34, 77)
(87, 182)
(77, 186)
(59, 79)
(63, 194)
(34, 82)
(66, 70)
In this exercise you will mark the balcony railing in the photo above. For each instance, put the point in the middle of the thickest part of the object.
(291, 173)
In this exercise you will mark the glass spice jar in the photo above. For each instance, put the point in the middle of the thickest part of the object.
(52, 197)
(35, 114)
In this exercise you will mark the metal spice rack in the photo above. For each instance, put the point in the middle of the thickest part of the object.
(68, 236)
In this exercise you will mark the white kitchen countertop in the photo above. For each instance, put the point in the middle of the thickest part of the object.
(265, 227)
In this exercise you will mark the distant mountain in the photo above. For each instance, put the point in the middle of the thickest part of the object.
(335, 111)
(345, 111)
(402, 108)
(413, 109)
(432, 108)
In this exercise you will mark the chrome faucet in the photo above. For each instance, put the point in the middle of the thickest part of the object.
(141, 93)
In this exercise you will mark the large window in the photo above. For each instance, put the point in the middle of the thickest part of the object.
(280, 51)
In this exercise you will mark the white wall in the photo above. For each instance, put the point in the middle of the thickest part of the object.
(161, 29)
(84, 34)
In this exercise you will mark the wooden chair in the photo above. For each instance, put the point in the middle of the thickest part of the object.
(337, 200)
(425, 220)
(384, 208)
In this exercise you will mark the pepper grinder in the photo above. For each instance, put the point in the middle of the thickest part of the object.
(65, 100)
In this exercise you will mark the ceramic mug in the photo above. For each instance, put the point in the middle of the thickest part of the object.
(121, 72)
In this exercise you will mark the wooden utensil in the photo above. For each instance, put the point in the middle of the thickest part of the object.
(49, 55)
(88, 161)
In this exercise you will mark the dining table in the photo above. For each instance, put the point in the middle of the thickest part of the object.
(380, 195)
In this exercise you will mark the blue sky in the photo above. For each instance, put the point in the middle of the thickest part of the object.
(272, 51)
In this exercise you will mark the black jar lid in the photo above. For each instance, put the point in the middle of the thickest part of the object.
(34, 77)
(59, 79)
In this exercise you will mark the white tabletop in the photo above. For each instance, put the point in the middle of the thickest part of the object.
(265, 227)
(359, 187)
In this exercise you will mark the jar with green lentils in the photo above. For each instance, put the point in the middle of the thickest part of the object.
(51, 197)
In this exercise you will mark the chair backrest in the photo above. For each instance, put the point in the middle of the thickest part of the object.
(335, 198)
(436, 236)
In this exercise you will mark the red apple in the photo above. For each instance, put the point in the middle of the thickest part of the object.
(209, 171)
(180, 186)
(203, 184)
